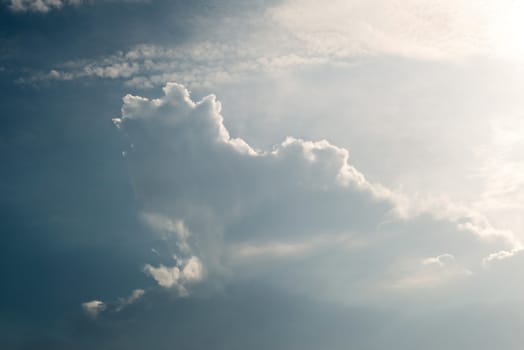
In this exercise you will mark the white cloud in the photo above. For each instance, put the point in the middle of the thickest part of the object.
(301, 199)
(440, 260)
(178, 277)
(93, 308)
(501, 255)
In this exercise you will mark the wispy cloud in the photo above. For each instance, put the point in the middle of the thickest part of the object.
(200, 64)
(302, 33)
(44, 6)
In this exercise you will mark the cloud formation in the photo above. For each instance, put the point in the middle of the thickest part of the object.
(233, 210)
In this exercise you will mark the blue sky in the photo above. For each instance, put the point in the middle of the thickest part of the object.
(261, 174)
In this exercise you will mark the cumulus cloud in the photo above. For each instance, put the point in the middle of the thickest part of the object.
(230, 207)
(179, 276)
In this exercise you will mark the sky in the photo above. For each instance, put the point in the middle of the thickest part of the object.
(280, 174)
